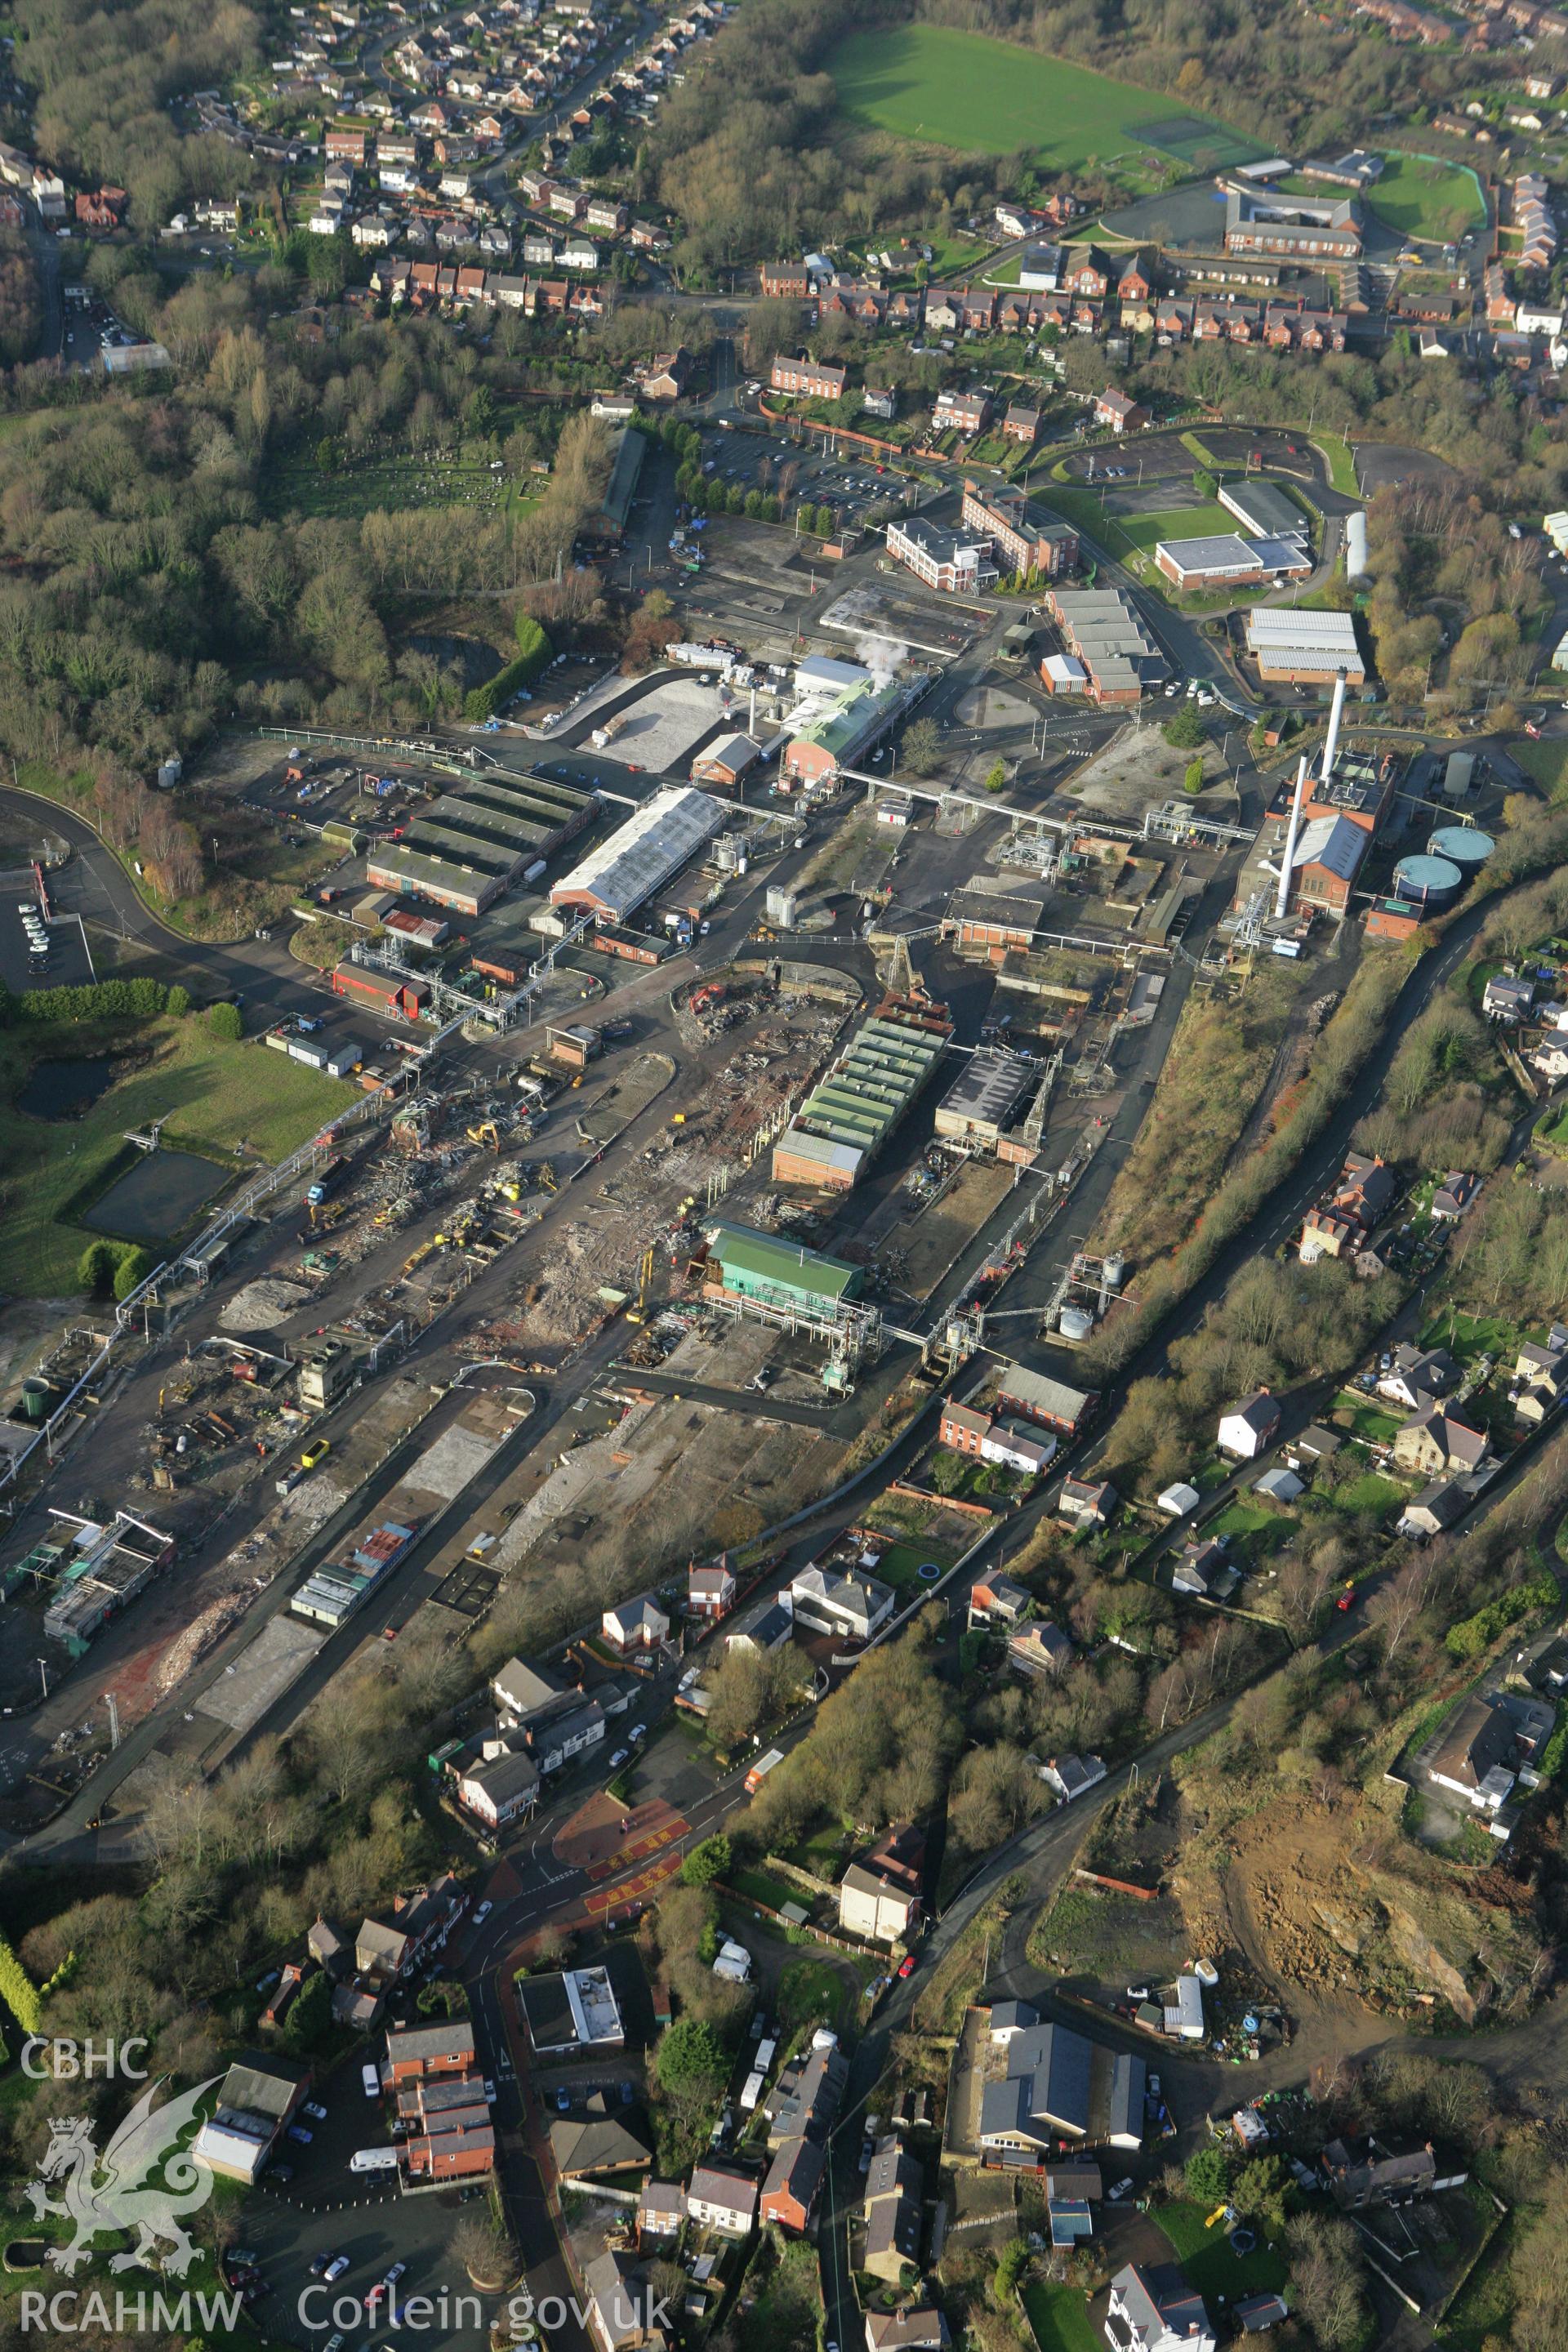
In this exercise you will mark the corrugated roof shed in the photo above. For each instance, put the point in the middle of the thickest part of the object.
(654, 843)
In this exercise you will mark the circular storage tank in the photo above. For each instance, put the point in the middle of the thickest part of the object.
(1114, 1271)
(1075, 1322)
(1427, 881)
(1464, 845)
(36, 1397)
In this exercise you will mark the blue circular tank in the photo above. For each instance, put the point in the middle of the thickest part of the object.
(1427, 881)
(1464, 845)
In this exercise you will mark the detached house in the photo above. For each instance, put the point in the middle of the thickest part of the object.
(1040, 1649)
(1417, 1376)
(1120, 412)
(636, 1625)
(1087, 1502)
(851, 1606)
(1153, 2309)
(709, 1592)
(879, 1894)
(1372, 2171)
(995, 1600)
(1248, 1429)
(1434, 1441)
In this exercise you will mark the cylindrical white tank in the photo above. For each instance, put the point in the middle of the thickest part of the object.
(1114, 1271)
(1355, 547)
(1074, 1323)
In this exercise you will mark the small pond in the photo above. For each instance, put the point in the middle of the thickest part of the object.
(65, 1089)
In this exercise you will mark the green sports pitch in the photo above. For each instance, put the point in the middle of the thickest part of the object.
(966, 91)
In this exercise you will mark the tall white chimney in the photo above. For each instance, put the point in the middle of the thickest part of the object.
(1336, 712)
(1282, 896)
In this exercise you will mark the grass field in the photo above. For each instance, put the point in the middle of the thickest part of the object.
(964, 91)
(1369, 1493)
(1367, 1420)
(756, 1886)
(1207, 2262)
(1547, 763)
(1426, 199)
(1139, 533)
(1059, 2317)
(211, 1095)
(394, 486)
(1254, 1530)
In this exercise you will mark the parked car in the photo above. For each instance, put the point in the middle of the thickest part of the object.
(298, 2133)
(908, 1965)
(311, 2108)
(482, 1914)
(336, 2268)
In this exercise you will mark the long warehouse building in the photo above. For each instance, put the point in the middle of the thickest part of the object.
(1293, 647)
(621, 873)
(464, 849)
(848, 1116)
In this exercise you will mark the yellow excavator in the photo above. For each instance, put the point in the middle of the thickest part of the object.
(485, 1132)
(644, 1277)
(544, 1176)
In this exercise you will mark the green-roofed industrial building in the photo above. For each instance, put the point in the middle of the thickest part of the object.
(770, 1271)
(845, 1119)
(464, 849)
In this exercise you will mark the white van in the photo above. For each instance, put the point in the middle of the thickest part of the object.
(372, 2081)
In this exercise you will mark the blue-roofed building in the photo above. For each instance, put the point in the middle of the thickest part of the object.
(1070, 2220)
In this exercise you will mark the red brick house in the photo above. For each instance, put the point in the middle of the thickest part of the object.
(793, 2184)
(1120, 411)
(350, 145)
(809, 379)
(424, 2053)
(1090, 276)
(709, 1592)
(786, 278)
(963, 1430)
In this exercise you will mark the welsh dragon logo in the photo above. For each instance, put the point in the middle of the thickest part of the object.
(143, 2182)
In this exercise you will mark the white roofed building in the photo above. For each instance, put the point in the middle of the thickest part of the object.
(1298, 648)
(619, 873)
